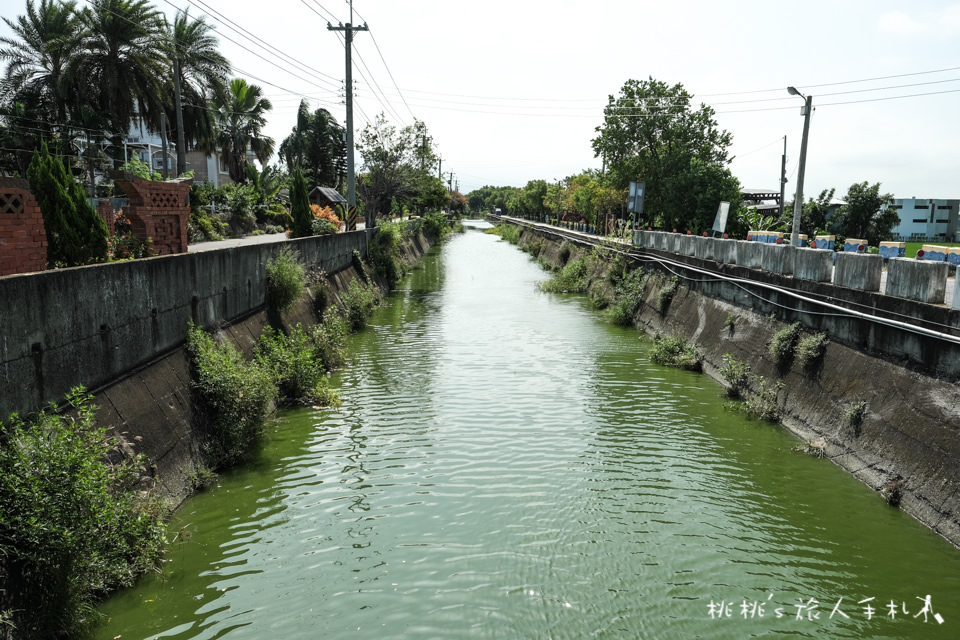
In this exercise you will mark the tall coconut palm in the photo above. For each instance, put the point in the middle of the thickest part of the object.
(40, 56)
(316, 146)
(202, 72)
(123, 60)
(240, 117)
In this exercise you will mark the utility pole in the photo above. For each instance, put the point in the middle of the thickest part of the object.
(163, 145)
(783, 176)
(450, 182)
(440, 169)
(798, 201)
(348, 30)
(178, 103)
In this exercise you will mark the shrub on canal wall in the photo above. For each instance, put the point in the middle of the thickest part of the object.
(286, 279)
(674, 351)
(70, 528)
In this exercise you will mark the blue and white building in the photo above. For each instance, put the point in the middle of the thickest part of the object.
(927, 219)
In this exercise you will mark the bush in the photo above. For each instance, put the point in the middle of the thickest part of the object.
(434, 226)
(854, 414)
(667, 291)
(359, 301)
(286, 279)
(673, 351)
(69, 529)
(736, 374)
(627, 298)
(783, 344)
(234, 397)
(509, 232)
(573, 278)
(763, 404)
(329, 338)
(76, 234)
(300, 207)
(810, 350)
(325, 221)
(295, 366)
(385, 253)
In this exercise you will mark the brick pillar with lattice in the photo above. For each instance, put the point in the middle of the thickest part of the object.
(158, 211)
(23, 239)
(105, 209)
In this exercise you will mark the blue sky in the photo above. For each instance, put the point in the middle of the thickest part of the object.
(512, 91)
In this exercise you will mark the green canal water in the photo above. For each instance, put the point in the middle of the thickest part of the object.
(506, 465)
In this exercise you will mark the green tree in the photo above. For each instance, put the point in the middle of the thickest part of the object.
(389, 161)
(122, 63)
(814, 215)
(864, 215)
(193, 51)
(317, 147)
(76, 234)
(651, 132)
(300, 206)
(240, 117)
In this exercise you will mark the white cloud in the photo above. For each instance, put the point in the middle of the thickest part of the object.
(945, 22)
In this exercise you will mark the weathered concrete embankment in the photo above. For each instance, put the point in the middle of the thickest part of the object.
(907, 380)
(119, 329)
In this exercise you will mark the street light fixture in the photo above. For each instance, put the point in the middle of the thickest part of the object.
(798, 200)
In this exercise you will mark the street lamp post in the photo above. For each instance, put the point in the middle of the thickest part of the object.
(798, 201)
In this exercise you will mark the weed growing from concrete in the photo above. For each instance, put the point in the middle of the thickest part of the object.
(359, 301)
(763, 403)
(572, 278)
(295, 366)
(628, 294)
(810, 351)
(509, 232)
(783, 344)
(854, 414)
(730, 322)
(674, 351)
(736, 374)
(385, 254)
(234, 397)
(667, 291)
(286, 279)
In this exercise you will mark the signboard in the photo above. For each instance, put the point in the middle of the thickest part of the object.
(720, 222)
(635, 199)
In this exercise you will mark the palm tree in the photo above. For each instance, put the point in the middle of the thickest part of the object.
(240, 118)
(202, 72)
(316, 146)
(40, 56)
(123, 61)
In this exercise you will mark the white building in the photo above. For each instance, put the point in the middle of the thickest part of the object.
(926, 219)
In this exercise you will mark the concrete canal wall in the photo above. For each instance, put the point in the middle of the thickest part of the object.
(119, 330)
(896, 355)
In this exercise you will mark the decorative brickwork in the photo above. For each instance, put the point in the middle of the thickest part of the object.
(105, 209)
(23, 239)
(158, 211)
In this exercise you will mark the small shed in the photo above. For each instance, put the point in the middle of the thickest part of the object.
(327, 197)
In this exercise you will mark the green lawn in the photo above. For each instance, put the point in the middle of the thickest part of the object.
(913, 247)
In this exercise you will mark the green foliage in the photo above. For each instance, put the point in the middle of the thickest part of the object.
(509, 232)
(234, 397)
(205, 227)
(783, 344)
(329, 338)
(76, 234)
(359, 301)
(385, 255)
(810, 350)
(296, 366)
(677, 148)
(763, 403)
(434, 226)
(853, 415)
(864, 215)
(667, 290)
(286, 279)
(627, 297)
(736, 374)
(140, 169)
(673, 351)
(730, 323)
(574, 277)
(69, 528)
(300, 207)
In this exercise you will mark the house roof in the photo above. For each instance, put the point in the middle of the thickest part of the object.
(330, 194)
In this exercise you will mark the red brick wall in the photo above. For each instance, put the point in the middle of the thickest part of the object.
(158, 211)
(105, 209)
(23, 240)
